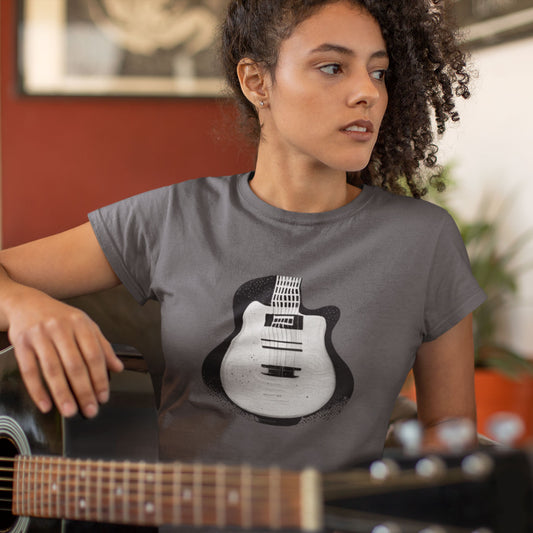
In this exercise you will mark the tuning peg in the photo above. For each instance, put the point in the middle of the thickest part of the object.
(430, 467)
(505, 428)
(477, 465)
(457, 434)
(409, 434)
(383, 469)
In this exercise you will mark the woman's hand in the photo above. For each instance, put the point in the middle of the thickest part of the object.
(56, 344)
(61, 345)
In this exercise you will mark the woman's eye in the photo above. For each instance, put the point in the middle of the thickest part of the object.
(379, 74)
(333, 68)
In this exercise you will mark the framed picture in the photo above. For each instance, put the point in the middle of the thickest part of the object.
(120, 47)
(491, 22)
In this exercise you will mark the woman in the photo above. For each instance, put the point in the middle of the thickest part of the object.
(295, 298)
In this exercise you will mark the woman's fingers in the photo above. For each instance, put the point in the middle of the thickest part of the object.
(72, 357)
(113, 362)
(54, 375)
(31, 376)
(80, 360)
(95, 360)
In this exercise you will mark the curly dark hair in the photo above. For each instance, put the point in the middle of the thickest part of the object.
(427, 71)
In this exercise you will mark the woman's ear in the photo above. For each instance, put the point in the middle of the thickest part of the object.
(254, 82)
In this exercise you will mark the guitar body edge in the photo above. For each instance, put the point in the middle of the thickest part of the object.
(125, 428)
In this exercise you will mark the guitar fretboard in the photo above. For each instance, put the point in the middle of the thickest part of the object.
(166, 493)
(286, 297)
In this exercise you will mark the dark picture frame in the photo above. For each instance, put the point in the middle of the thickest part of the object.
(119, 47)
(491, 22)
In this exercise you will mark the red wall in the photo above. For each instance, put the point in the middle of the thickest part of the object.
(63, 157)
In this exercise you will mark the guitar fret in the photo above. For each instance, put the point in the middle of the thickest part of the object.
(140, 493)
(126, 493)
(220, 493)
(149, 495)
(16, 487)
(159, 494)
(31, 485)
(197, 495)
(111, 492)
(43, 462)
(25, 489)
(246, 497)
(49, 486)
(85, 475)
(56, 488)
(186, 499)
(79, 503)
(65, 487)
(99, 491)
(274, 497)
(176, 491)
(22, 481)
(33, 478)
(26, 485)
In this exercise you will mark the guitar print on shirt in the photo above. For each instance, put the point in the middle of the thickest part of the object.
(279, 364)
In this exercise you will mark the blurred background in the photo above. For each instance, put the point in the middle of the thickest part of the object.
(103, 99)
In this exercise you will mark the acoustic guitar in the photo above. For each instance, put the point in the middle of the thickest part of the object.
(102, 475)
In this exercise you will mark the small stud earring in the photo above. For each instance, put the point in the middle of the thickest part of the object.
(261, 103)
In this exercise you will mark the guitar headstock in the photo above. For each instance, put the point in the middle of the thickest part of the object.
(487, 490)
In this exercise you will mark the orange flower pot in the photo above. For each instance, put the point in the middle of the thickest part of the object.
(497, 393)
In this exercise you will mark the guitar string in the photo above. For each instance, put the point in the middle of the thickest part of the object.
(349, 483)
(115, 470)
(261, 477)
(333, 483)
(262, 493)
(137, 503)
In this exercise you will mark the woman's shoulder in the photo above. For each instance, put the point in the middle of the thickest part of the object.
(204, 187)
(409, 217)
(193, 190)
(407, 207)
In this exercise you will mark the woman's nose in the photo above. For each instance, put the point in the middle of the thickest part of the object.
(363, 90)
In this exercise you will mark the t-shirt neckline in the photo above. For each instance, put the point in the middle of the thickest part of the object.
(254, 203)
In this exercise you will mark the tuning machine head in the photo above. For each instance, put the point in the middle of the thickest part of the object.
(410, 434)
(457, 434)
(505, 428)
(383, 469)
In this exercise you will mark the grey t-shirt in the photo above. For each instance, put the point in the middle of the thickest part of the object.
(287, 336)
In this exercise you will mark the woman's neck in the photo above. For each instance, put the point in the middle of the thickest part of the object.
(299, 187)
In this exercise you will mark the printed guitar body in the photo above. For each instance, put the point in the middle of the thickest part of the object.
(279, 364)
(278, 370)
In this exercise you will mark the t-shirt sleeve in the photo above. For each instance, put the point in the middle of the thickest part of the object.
(129, 233)
(452, 291)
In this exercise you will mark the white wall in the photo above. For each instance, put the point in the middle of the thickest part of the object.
(492, 147)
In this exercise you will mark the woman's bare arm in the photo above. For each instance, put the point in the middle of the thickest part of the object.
(52, 340)
(444, 377)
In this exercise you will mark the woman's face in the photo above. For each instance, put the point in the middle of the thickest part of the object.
(328, 97)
